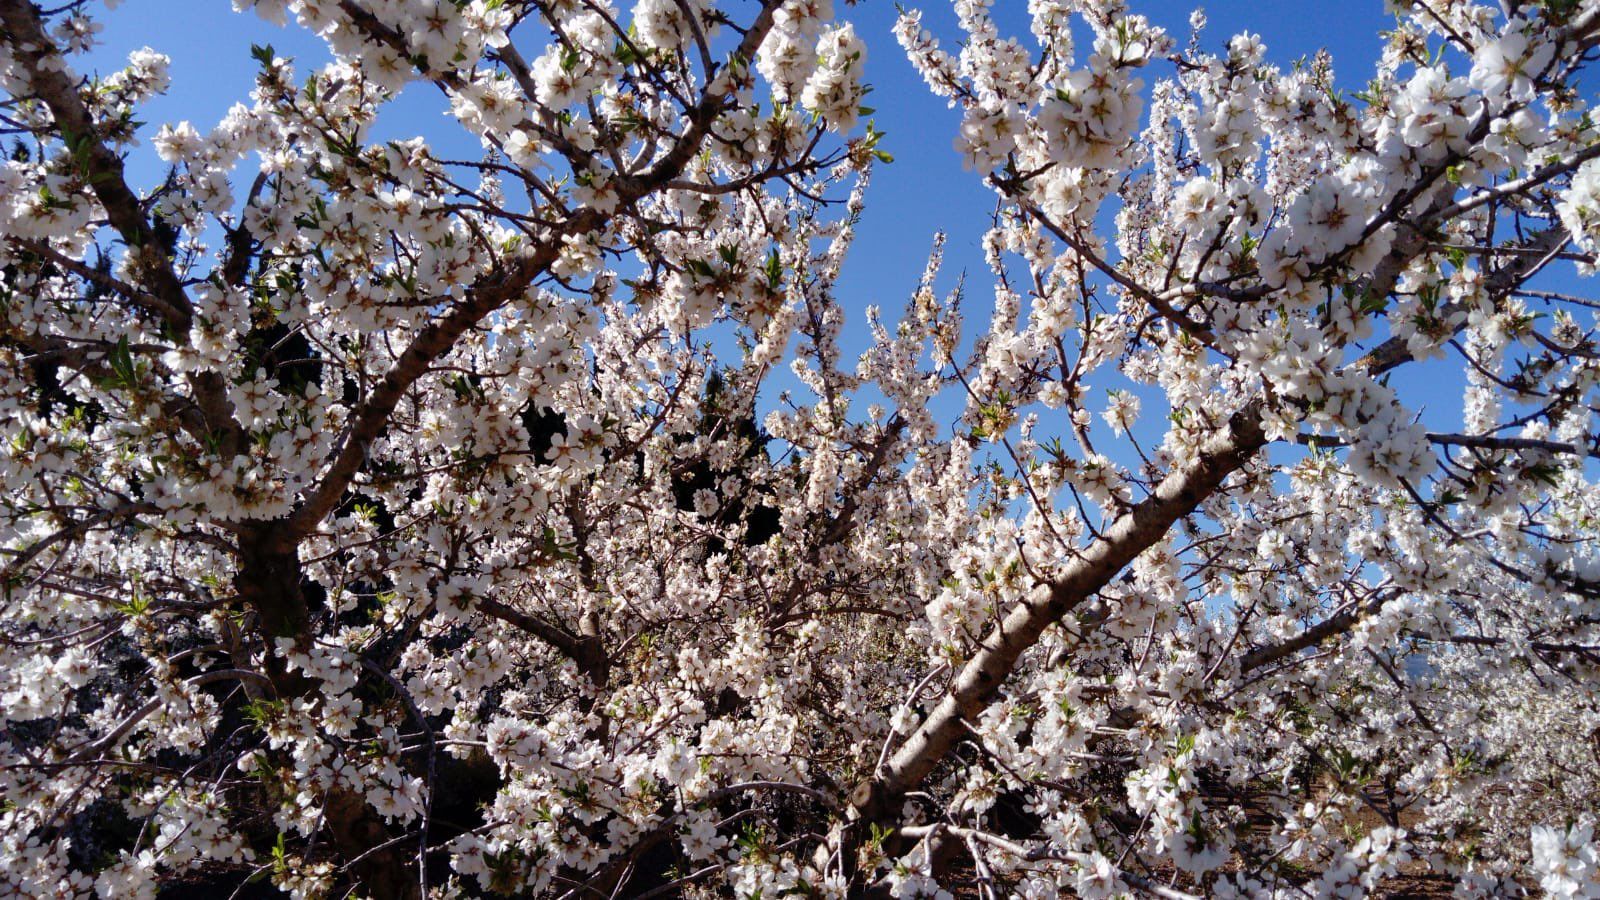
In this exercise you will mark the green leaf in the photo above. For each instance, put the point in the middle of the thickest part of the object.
(774, 270)
(121, 361)
(137, 606)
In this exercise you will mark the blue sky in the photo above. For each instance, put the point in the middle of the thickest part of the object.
(925, 190)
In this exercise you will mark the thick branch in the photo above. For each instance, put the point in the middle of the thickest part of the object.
(1336, 624)
(495, 289)
(102, 171)
(1545, 245)
(569, 645)
(100, 168)
(434, 341)
(1178, 495)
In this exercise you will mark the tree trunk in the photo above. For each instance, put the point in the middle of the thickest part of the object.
(270, 582)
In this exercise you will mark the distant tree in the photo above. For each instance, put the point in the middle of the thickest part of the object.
(381, 523)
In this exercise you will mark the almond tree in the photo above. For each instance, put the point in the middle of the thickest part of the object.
(385, 523)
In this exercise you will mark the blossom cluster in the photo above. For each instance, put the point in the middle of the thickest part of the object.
(381, 522)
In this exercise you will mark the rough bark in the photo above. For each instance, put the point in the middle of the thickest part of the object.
(878, 798)
(269, 583)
